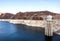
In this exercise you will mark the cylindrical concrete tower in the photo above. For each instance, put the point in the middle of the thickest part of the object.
(49, 28)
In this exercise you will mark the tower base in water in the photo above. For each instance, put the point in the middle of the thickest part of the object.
(48, 38)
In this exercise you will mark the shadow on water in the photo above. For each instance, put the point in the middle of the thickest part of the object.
(31, 33)
(48, 38)
(38, 31)
(55, 37)
(30, 28)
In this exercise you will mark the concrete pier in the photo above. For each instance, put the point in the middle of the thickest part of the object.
(49, 28)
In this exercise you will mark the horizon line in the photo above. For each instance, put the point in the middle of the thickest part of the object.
(28, 11)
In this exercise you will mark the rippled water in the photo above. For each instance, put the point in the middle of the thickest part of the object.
(14, 32)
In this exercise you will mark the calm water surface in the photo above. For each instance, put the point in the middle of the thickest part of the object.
(13, 32)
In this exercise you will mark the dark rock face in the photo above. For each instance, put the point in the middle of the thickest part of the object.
(1, 15)
(20, 15)
(6, 16)
(38, 15)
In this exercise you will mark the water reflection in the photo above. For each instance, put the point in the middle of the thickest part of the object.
(48, 38)
(29, 33)
(6, 29)
(11, 32)
(19, 32)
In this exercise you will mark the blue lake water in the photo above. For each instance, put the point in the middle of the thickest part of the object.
(13, 32)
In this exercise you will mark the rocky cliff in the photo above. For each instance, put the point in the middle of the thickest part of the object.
(6, 16)
(38, 15)
(35, 15)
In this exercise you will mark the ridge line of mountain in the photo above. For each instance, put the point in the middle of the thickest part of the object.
(37, 15)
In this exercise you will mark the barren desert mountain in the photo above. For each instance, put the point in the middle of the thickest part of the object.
(37, 15)
(19, 15)
(6, 16)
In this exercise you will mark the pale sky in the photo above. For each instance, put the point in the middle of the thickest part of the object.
(14, 6)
